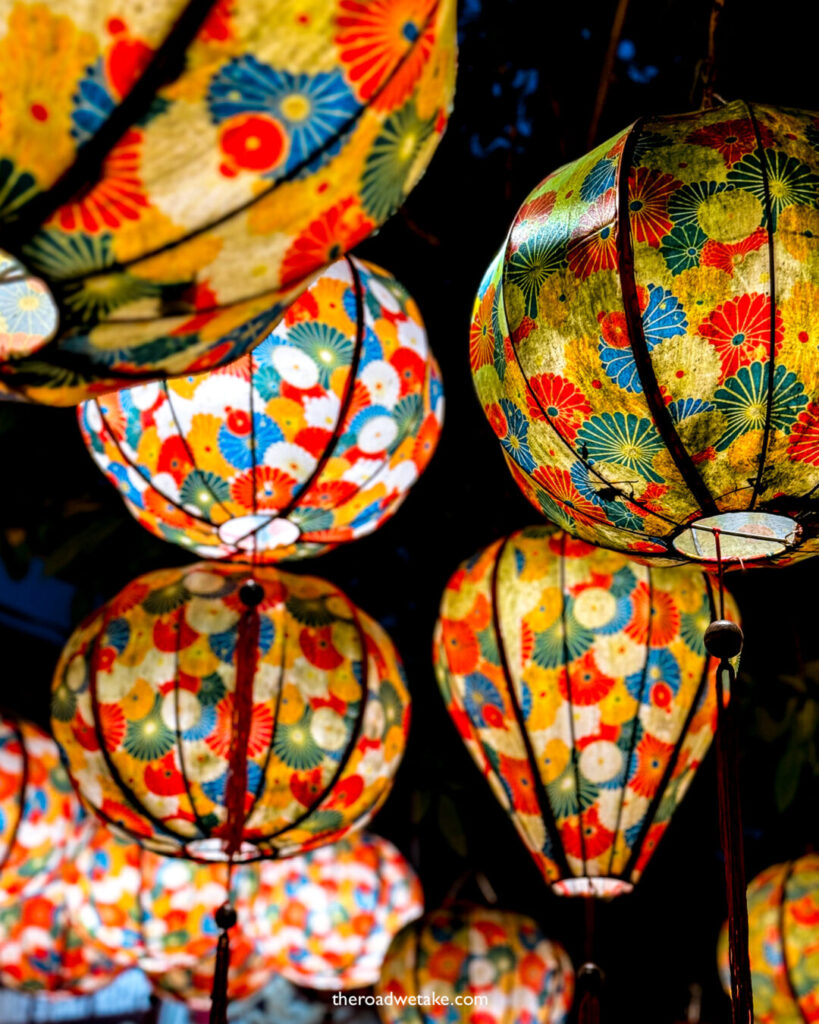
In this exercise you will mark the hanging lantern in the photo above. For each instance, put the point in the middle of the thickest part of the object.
(311, 440)
(40, 948)
(213, 717)
(331, 914)
(644, 343)
(469, 951)
(171, 178)
(40, 816)
(783, 920)
(580, 684)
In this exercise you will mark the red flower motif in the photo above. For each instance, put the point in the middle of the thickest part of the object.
(173, 634)
(346, 792)
(117, 197)
(127, 58)
(251, 142)
(411, 370)
(318, 647)
(652, 759)
(217, 27)
(728, 256)
(540, 208)
(426, 441)
(259, 736)
(648, 195)
(164, 778)
(732, 139)
(592, 247)
(558, 485)
(595, 839)
(589, 684)
(306, 787)
(328, 494)
(497, 421)
(740, 331)
(614, 327)
(803, 445)
(327, 238)
(112, 725)
(559, 401)
(460, 645)
(385, 46)
(657, 611)
(274, 488)
(174, 459)
(517, 774)
(652, 838)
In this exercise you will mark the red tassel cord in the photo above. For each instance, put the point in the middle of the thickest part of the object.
(225, 919)
(589, 977)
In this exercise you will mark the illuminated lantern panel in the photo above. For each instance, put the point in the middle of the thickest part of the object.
(41, 820)
(143, 707)
(159, 216)
(644, 343)
(469, 951)
(311, 440)
(783, 924)
(579, 682)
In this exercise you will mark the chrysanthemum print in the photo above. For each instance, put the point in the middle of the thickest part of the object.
(289, 133)
(311, 440)
(665, 286)
(579, 682)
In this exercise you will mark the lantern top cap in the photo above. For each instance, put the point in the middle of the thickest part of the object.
(737, 537)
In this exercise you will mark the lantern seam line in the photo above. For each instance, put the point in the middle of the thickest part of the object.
(766, 191)
(566, 668)
(177, 690)
(546, 812)
(14, 722)
(789, 870)
(633, 742)
(87, 167)
(346, 129)
(636, 335)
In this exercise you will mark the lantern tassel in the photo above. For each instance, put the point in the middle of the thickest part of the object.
(589, 990)
(730, 826)
(225, 919)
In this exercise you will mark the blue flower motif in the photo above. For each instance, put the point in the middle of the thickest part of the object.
(123, 478)
(203, 726)
(600, 179)
(117, 634)
(660, 666)
(622, 440)
(517, 432)
(215, 789)
(663, 317)
(620, 367)
(743, 400)
(480, 691)
(238, 449)
(316, 110)
(685, 407)
(682, 247)
(93, 103)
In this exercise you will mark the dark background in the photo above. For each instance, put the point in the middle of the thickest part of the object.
(529, 75)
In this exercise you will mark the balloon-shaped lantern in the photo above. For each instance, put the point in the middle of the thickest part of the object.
(783, 920)
(312, 439)
(41, 819)
(469, 951)
(209, 716)
(41, 950)
(644, 343)
(173, 176)
(579, 682)
(331, 914)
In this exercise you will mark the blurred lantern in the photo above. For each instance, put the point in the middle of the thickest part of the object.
(219, 719)
(783, 919)
(331, 914)
(642, 344)
(311, 440)
(579, 682)
(470, 952)
(170, 179)
(40, 815)
(40, 948)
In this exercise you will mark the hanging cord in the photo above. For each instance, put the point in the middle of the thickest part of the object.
(705, 76)
(607, 72)
(723, 640)
(589, 976)
(225, 917)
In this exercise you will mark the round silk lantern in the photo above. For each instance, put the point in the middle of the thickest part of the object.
(783, 919)
(643, 343)
(331, 914)
(40, 949)
(579, 681)
(468, 951)
(212, 717)
(40, 816)
(312, 439)
(171, 177)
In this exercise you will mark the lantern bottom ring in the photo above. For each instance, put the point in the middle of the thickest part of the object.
(245, 532)
(743, 536)
(600, 886)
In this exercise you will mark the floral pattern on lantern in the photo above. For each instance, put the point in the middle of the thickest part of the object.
(331, 914)
(41, 819)
(642, 343)
(143, 706)
(312, 439)
(284, 138)
(783, 932)
(579, 682)
(468, 951)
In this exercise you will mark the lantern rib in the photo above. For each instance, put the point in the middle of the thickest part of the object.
(116, 777)
(566, 667)
(345, 129)
(766, 192)
(351, 742)
(636, 336)
(88, 164)
(541, 795)
(178, 729)
(633, 742)
(781, 921)
(14, 722)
